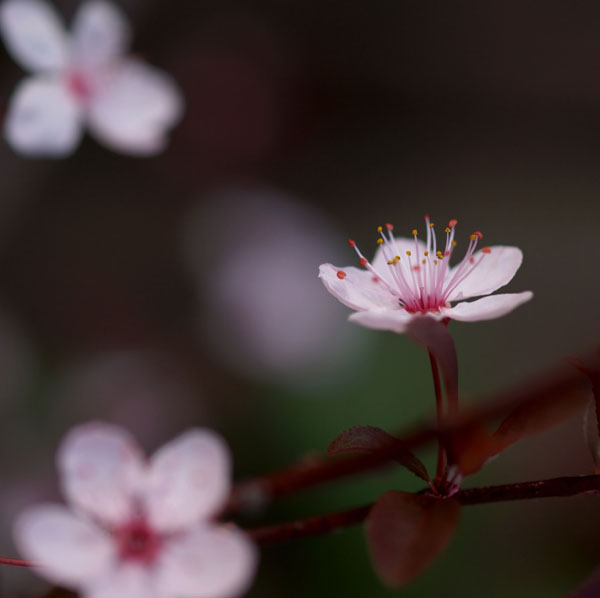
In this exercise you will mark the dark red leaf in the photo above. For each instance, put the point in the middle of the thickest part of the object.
(368, 439)
(435, 337)
(473, 448)
(406, 532)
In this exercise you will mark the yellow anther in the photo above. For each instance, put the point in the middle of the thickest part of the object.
(380, 241)
(426, 253)
(439, 254)
(446, 230)
(435, 262)
(408, 253)
(473, 237)
(423, 261)
(453, 243)
(397, 259)
(414, 232)
(390, 262)
(431, 225)
(379, 229)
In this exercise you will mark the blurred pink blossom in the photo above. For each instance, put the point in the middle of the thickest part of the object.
(83, 78)
(408, 278)
(136, 528)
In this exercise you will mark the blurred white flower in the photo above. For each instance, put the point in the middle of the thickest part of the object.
(136, 528)
(254, 253)
(83, 79)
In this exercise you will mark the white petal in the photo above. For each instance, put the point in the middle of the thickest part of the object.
(134, 107)
(357, 290)
(101, 467)
(34, 35)
(487, 308)
(209, 562)
(394, 320)
(43, 119)
(189, 480)
(67, 549)
(495, 270)
(126, 581)
(100, 33)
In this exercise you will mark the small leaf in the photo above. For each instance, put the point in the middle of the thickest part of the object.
(472, 449)
(369, 439)
(406, 532)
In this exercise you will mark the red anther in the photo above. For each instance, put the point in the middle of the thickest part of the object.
(351, 243)
(471, 260)
(426, 216)
(389, 226)
(486, 250)
(375, 279)
(363, 262)
(341, 275)
(478, 234)
(452, 223)
(416, 268)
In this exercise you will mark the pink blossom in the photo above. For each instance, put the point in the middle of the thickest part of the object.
(136, 528)
(83, 78)
(409, 278)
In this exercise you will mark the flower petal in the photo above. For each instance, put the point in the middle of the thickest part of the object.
(68, 550)
(495, 270)
(395, 320)
(134, 107)
(101, 33)
(127, 581)
(209, 562)
(43, 119)
(487, 308)
(34, 35)
(101, 467)
(189, 480)
(357, 290)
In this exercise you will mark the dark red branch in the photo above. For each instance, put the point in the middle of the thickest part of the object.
(324, 524)
(547, 389)
(15, 562)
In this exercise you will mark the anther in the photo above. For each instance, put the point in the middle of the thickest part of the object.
(380, 241)
(341, 275)
(363, 261)
(452, 223)
(454, 243)
(431, 225)
(446, 230)
(426, 253)
(414, 232)
(351, 243)
(408, 253)
(389, 226)
(379, 229)
(486, 250)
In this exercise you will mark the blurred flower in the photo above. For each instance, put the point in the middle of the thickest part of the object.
(84, 78)
(409, 278)
(262, 309)
(138, 528)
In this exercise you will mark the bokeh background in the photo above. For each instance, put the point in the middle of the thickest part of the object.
(181, 290)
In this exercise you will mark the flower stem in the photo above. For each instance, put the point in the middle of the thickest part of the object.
(439, 406)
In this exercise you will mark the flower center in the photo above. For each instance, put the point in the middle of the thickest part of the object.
(138, 541)
(78, 86)
(419, 277)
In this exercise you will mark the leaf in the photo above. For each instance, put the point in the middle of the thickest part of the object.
(369, 439)
(406, 532)
(473, 448)
(435, 337)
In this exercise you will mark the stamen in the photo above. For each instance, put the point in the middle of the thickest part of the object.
(341, 274)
